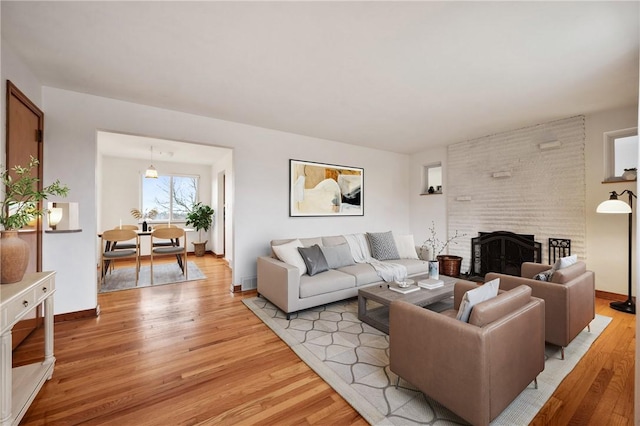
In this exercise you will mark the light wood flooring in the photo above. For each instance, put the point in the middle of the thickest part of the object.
(192, 353)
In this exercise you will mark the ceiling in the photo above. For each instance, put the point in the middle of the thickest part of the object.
(397, 76)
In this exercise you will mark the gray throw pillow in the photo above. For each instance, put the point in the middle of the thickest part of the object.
(544, 275)
(338, 256)
(383, 245)
(313, 259)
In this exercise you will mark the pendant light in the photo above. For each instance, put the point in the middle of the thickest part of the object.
(151, 172)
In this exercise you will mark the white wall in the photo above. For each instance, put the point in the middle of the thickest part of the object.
(260, 182)
(607, 234)
(431, 208)
(222, 173)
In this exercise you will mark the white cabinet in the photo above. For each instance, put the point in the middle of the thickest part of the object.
(20, 385)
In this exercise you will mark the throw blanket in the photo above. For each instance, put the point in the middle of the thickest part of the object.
(360, 251)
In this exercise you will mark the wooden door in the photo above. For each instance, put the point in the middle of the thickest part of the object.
(25, 124)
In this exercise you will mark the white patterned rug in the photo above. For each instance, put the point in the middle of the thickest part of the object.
(353, 358)
(164, 273)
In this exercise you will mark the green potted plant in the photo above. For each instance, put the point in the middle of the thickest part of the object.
(200, 217)
(21, 205)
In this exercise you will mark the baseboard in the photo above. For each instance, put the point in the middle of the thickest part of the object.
(72, 316)
(611, 296)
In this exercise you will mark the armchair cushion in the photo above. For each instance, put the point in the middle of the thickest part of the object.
(490, 310)
(472, 297)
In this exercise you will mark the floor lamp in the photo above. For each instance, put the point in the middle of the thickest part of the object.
(615, 206)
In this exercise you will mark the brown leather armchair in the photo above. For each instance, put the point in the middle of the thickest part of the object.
(474, 369)
(569, 298)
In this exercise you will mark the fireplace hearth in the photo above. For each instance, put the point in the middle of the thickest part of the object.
(503, 252)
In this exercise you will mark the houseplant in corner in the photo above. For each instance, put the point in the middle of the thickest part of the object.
(201, 218)
(19, 207)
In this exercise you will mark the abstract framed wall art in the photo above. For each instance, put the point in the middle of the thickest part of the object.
(317, 189)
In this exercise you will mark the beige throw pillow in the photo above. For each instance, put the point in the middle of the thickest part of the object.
(288, 253)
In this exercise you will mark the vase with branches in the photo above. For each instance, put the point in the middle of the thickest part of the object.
(435, 245)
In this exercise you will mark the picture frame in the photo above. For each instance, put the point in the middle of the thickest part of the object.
(320, 189)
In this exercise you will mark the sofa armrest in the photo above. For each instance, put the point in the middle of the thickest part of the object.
(279, 282)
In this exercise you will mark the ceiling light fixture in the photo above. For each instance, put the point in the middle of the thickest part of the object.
(151, 172)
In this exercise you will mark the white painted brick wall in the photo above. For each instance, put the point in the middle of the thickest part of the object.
(545, 195)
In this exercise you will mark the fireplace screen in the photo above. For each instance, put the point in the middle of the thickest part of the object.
(503, 252)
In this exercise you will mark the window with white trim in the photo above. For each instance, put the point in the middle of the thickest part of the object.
(620, 153)
(171, 195)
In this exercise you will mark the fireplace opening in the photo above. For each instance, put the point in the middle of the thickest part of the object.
(503, 252)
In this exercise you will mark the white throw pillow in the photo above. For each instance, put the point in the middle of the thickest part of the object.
(406, 246)
(289, 253)
(564, 262)
(472, 297)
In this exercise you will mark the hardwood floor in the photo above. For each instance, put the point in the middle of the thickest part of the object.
(191, 353)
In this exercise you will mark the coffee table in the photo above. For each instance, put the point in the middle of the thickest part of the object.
(378, 315)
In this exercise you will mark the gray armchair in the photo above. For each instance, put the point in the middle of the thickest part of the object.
(474, 369)
(569, 298)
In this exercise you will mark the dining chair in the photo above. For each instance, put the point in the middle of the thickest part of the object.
(176, 249)
(111, 238)
(164, 243)
(123, 246)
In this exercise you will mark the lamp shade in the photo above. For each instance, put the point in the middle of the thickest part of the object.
(614, 207)
(55, 216)
(151, 173)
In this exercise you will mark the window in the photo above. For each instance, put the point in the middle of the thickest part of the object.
(621, 152)
(171, 196)
(432, 179)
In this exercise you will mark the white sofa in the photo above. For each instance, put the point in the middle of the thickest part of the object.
(283, 285)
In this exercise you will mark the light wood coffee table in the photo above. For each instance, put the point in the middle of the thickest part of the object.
(377, 314)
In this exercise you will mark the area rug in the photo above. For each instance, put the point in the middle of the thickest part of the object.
(353, 358)
(164, 273)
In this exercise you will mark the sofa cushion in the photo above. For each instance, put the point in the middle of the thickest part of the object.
(333, 241)
(472, 297)
(489, 311)
(288, 253)
(308, 242)
(362, 272)
(413, 266)
(313, 259)
(383, 245)
(327, 282)
(338, 256)
(563, 276)
(406, 246)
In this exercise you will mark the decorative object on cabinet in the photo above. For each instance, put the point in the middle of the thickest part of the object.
(21, 205)
(18, 299)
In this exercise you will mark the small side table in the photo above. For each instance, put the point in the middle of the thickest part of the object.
(19, 386)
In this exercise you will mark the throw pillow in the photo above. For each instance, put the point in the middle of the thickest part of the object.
(313, 259)
(563, 262)
(383, 246)
(338, 256)
(289, 253)
(406, 247)
(472, 297)
(544, 275)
